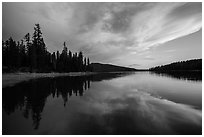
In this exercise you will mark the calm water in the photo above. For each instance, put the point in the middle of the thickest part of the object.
(114, 103)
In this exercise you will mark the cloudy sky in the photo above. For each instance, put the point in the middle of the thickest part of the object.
(139, 35)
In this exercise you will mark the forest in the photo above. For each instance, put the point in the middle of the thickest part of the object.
(31, 55)
(194, 64)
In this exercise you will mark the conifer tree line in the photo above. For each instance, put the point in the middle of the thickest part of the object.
(194, 64)
(30, 54)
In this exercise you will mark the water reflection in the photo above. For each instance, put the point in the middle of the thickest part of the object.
(30, 97)
(112, 103)
(184, 75)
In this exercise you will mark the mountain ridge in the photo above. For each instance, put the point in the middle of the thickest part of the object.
(100, 67)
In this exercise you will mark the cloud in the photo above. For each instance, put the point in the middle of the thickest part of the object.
(138, 26)
(106, 32)
(134, 65)
(141, 108)
(158, 26)
(186, 10)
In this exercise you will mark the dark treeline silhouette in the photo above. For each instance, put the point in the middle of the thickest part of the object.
(189, 65)
(30, 96)
(187, 70)
(30, 54)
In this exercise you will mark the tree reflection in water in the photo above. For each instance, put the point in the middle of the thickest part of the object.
(30, 97)
(184, 75)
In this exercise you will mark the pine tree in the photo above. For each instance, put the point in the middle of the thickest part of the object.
(80, 61)
(88, 65)
(13, 53)
(58, 62)
(85, 68)
(33, 54)
(39, 49)
(4, 53)
(54, 61)
(28, 49)
(23, 56)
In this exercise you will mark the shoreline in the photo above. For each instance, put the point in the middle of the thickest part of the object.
(10, 79)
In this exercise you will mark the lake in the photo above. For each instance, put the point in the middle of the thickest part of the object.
(108, 103)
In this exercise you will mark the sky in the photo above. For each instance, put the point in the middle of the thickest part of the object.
(138, 35)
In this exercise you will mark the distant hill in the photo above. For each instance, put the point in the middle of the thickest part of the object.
(195, 64)
(98, 67)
